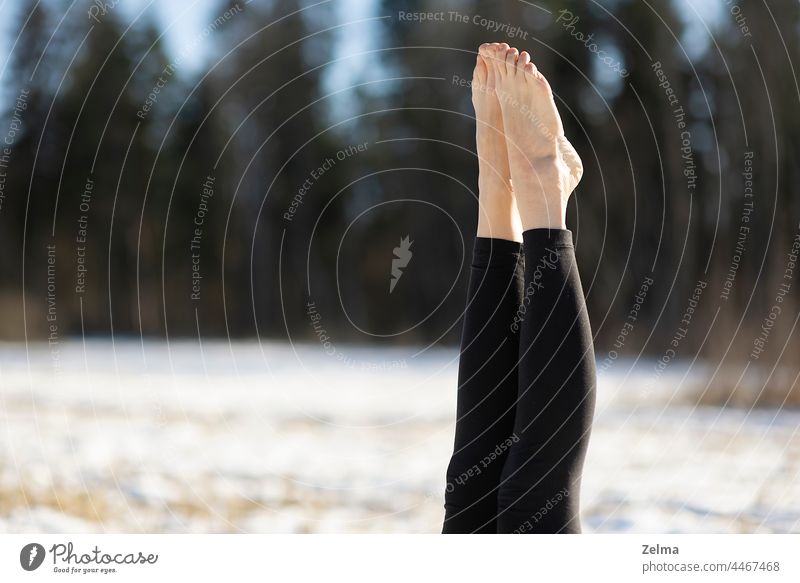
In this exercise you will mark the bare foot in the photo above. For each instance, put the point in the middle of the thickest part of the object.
(544, 166)
(497, 215)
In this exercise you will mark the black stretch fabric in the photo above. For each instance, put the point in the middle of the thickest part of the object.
(526, 389)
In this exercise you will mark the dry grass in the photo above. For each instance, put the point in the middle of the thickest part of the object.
(757, 387)
(78, 504)
(103, 508)
(197, 505)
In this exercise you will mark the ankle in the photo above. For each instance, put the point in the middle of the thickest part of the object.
(498, 217)
(543, 221)
(542, 206)
(550, 172)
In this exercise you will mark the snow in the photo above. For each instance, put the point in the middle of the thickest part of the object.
(127, 436)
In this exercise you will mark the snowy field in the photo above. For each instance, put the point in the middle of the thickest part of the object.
(216, 437)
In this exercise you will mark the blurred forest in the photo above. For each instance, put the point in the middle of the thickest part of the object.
(101, 177)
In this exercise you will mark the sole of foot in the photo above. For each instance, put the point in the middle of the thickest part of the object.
(544, 166)
(498, 215)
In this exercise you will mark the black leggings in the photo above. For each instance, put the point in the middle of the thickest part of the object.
(526, 388)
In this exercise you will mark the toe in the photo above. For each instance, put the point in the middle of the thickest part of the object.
(490, 71)
(529, 69)
(484, 49)
(501, 49)
(532, 70)
(511, 60)
(524, 59)
(499, 55)
(480, 73)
